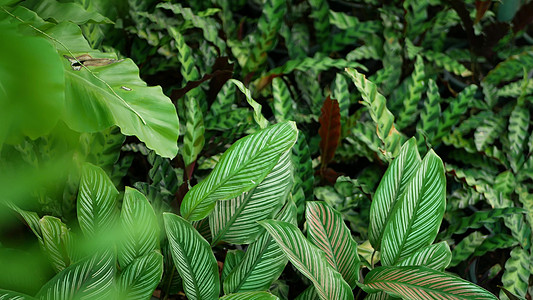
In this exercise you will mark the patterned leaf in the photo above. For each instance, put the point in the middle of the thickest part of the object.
(516, 275)
(390, 189)
(263, 261)
(309, 294)
(416, 217)
(488, 132)
(494, 242)
(140, 229)
(242, 167)
(447, 63)
(437, 256)
(250, 296)
(416, 88)
(319, 62)
(466, 247)
(233, 258)
(193, 258)
(518, 131)
(140, 278)
(194, 140)
(282, 103)
(330, 130)
(55, 237)
(327, 231)
(97, 201)
(258, 117)
(235, 220)
(309, 260)
(320, 14)
(423, 283)
(378, 111)
(511, 68)
(379, 296)
(341, 92)
(456, 110)
(430, 115)
(11, 295)
(91, 278)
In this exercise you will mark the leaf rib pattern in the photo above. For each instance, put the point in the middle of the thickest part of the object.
(140, 278)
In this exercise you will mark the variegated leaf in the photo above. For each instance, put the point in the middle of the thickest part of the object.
(423, 283)
(140, 278)
(193, 258)
(390, 189)
(416, 217)
(327, 230)
(242, 167)
(11, 295)
(309, 260)
(56, 237)
(437, 256)
(250, 296)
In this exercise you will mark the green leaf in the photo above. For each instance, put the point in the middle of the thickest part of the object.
(309, 260)
(430, 115)
(140, 229)
(511, 68)
(193, 258)
(263, 261)
(140, 278)
(10, 295)
(516, 275)
(235, 220)
(258, 117)
(55, 237)
(233, 258)
(250, 296)
(194, 140)
(308, 294)
(61, 11)
(466, 247)
(416, 217)
(423, 283)
(283, 105)
(320, 14)
(97, 205)
(456, 110)
(327, 231)
(437, 256)
(416, 88)
(518, 131)
(91, 278)
(379, 296)
(392, 186)
(494, 242)
(242, 167)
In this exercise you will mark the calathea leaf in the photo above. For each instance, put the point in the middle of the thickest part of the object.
(10, 295)
(416, 217)
(390, 189)
(242, 167)
(55, 240)
(97, 205)
(233, 258)
(140, 230)
(309, 260)
(193, 258)
(437, 256)
(422, 283)
(326, 229)
(330, 130)
(250, 296)
(308, 294)
(91, 278)
(263, 261)
(140, 278)
(235, 220)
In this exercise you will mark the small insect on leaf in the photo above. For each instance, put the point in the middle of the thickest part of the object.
(125, 88)
(88, 61)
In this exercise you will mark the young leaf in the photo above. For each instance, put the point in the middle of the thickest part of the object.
(437, 256)
(390, 189)
(416, 217)
(55, 242)
(193, 258)
(91, 278)
(243, 166)
(309, 260)
(235, 220)
(140, 229)
(423, 283)
(250, 296)
(97, 201)
(258, 116)
(140, 278)
(330, 130)
(326, 229)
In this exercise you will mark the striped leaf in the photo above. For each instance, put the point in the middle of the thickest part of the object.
(193, 258)
(258, 116)
(416, 217)
(55, 237)
(320, 14)
(250, 296)
(516, 275)
(450, 116)
(466, 247)
(416, 88)
(430, 115)
(233, 258)
(235, 220)
(379, 296)
(10, 295)
(518, 131)
(327, 231)
(494, 242)
(437, 256)
(390, 189)
(283, 105)
(140, 229)
(423, 283)
(97, 201)
(263, 261)
(242, 167)
(309, 260)
(308, 294)
(140, 278)
(194, 140)
(91, 278)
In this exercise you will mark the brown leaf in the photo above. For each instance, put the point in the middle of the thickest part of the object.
(330, 130)
(481, 8)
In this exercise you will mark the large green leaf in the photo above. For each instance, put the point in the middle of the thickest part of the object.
(309, 260)
(91, 278)
(97, 201)
(235, 220)
(263, 261)
(422, 283)
(10, 295)
(140, 230)
(437, 256)
(65, 11)
(250, 296)
(242, 167)
(140, 278)
(193, 258)
(55, 240)
(390, 189)
(327, 230)
(416, 217)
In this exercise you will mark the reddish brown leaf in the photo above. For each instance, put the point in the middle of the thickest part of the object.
(523, 17)
(481, 8)
(330, 130)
